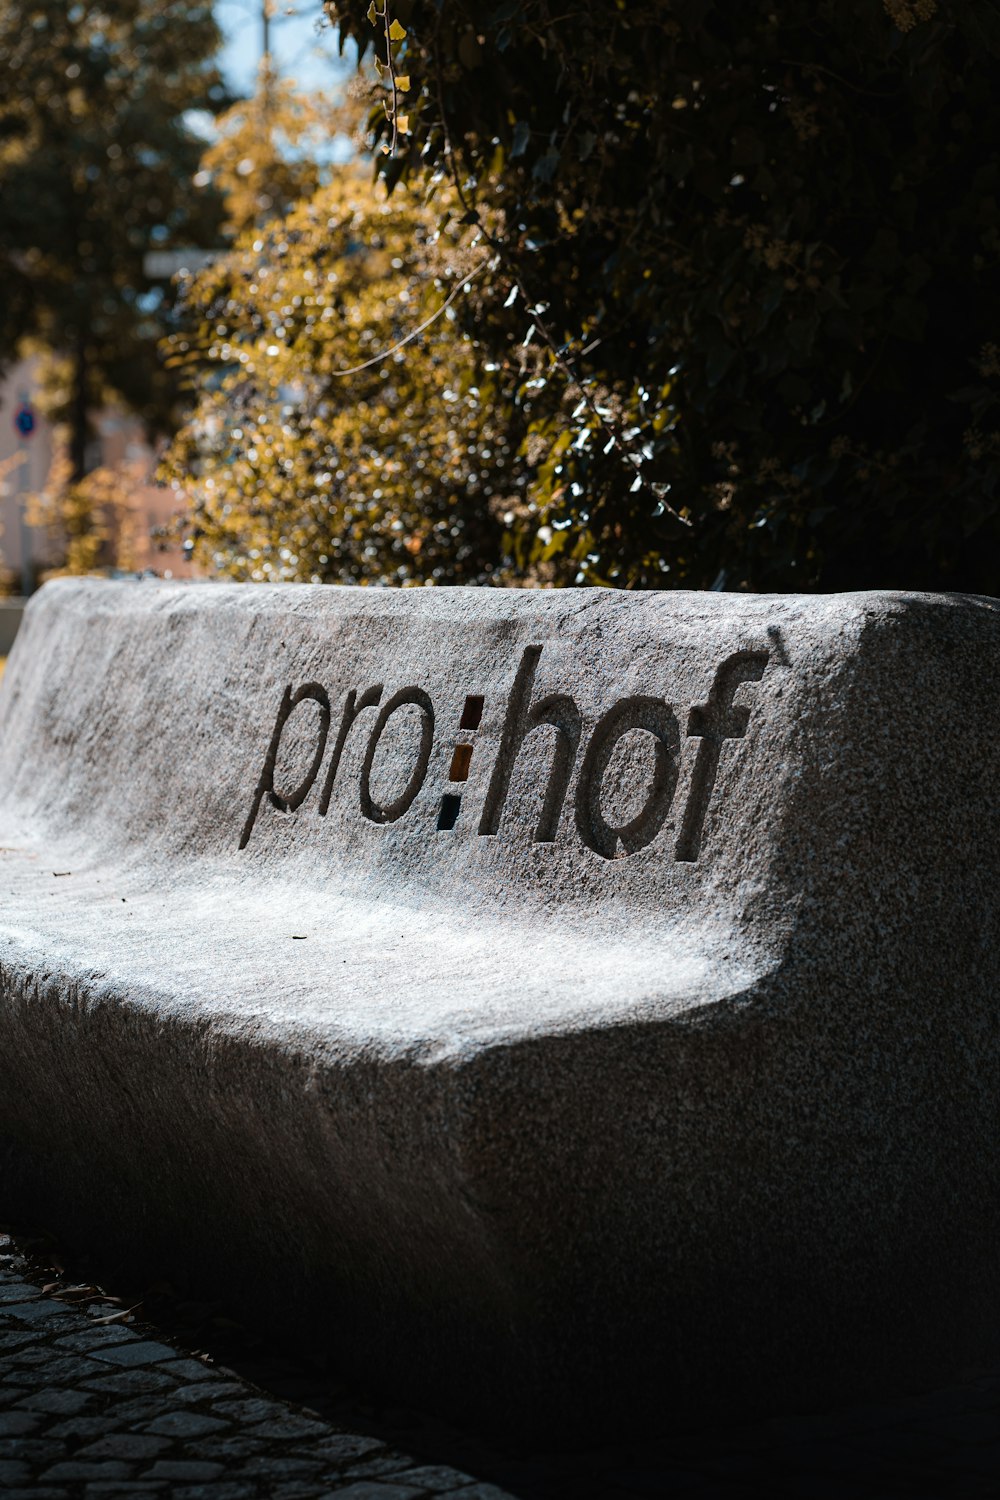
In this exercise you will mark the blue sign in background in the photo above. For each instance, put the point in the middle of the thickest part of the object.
(24, 420)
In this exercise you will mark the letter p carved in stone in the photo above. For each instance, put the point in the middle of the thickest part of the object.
(289, 801)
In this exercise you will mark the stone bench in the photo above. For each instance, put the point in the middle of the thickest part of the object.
(572, 1006)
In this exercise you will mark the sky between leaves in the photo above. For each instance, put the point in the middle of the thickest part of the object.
(302, 54)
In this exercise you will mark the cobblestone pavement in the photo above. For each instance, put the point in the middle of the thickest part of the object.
(91, 1410)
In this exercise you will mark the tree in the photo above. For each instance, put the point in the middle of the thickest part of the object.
(264, 158)
(340, 433)
(747, 273)
(97, 161)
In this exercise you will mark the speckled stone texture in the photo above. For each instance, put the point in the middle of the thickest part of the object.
(581, 1004)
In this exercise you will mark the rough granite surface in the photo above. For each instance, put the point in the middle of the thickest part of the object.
(599, 987)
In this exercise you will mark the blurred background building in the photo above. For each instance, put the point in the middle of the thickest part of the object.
(28, 552)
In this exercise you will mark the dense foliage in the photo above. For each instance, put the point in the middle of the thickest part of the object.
(263, 159)
(97, 168)
(746, 273)
(328, 444)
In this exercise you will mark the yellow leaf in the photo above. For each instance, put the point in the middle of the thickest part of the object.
(403, 83)
(396, 32)
(403, 123)
(372, 13)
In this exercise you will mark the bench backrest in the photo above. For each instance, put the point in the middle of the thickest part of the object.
(757, 768)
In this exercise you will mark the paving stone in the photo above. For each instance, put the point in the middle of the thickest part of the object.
(268, 1466)
(139, 1411)
(13, 1471)
(17, 1338)
(75, 1469)
(30, 1450)
(18, 1291)
(227, 1449)
(85, 1340)
(38, 1492)
(285, 1427)
(346, 1447)
(62, 1369)
(250, 1409)
(18, 1423)
(81, 1427)
(214, 1394)
(293, 1489)
(133, 1355)
(184, 1470)
(434, 1477)
(185, 1424)
(43, 1352)
(131, 1445)
(58, 1403)
(191, 1369)
(385, 1463)
(124, 1490)
(129, 1382)
(226, 1490)
(43, 1311)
